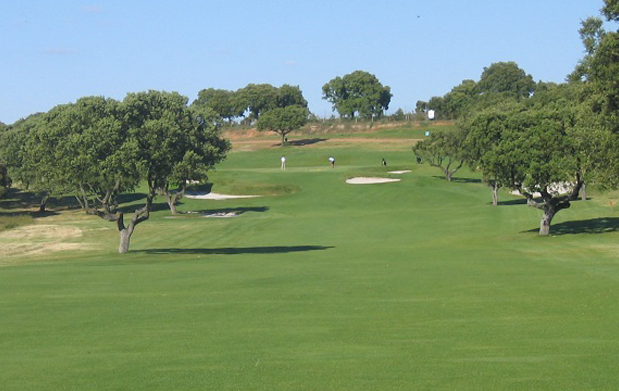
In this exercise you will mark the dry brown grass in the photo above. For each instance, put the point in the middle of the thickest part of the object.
(36, 239)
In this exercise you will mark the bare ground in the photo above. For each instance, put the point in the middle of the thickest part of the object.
(37, 239)
(245, 144)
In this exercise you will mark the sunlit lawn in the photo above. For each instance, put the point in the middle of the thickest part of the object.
(415, 285)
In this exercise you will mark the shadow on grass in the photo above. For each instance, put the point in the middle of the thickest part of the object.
(517, 201)
(458, 179)
(523, 201)
(126, 198)
(234, 250)
(155, 207)
(25, 201)
(309, 141)
(34, 215)
(592, 226)
(238, 211)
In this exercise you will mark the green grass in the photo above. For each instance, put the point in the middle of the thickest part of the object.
(415, 285)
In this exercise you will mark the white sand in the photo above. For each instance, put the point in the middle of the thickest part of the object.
(399, 172)
(369, 180)
(558, 188)
(218, 197)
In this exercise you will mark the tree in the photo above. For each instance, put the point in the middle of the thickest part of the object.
(506, 78)
(444, 150)
(399, 115)
(288, 95)
(99, 147)
(15, 154)
(224, 103)
(611, 10)
(176, 144)
(84, 147)
(357, 93)
(258, 98)
(529, 149)
(486, 132)
(26, 148)
(498, 83)
(283, 120)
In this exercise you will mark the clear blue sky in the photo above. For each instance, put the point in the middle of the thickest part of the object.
(56, 51)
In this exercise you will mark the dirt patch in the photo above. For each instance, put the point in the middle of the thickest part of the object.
(37, 239)
(369, 180)
(47, 231)
(246, 145)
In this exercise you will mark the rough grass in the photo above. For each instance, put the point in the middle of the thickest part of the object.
(415, 285)
(9, 222)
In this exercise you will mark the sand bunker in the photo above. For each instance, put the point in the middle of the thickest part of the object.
(213, 214)
(221, 214)
(558, 188)
(369, 180)
(399, 172)
(216, 196)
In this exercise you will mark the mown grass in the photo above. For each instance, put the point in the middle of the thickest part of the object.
(415, 285)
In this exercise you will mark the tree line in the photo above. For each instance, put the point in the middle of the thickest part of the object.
(519, 134)
(534, 137)
(99, 148)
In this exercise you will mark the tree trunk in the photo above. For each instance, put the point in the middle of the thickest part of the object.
(551, 206)
(139, 216)
(495, 193)
(43, 203)
(171, 200)
(125, 240)
(583, 192)
(578, 186)
(448, 175)
(549, 213)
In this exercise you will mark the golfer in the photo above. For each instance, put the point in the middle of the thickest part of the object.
(384, 162)
(332, 161)
(283, 159)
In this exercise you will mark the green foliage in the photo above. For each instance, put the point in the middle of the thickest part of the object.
(15, 153)
(5, 180)
(500, 82)
(357, 93)
(399, 115)
(611, 10)
(254, 99)
(283, 120)
(226, 104)
(506, 78)
(173, 146)
(445, 150)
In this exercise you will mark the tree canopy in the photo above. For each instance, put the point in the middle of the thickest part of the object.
(253, 99)
(358, 93)
(97, 148)
(283, 120)
(499, 82)
(445, 150)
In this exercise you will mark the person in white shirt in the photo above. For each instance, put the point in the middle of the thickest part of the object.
(283, 162)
